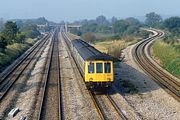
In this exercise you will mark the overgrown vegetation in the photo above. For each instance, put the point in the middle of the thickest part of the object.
(11, 53)
(114, 46)
(14, 41)
(168, 55)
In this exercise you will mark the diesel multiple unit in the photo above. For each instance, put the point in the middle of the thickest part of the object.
(95, 67)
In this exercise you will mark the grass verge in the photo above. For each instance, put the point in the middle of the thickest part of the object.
(168, 56)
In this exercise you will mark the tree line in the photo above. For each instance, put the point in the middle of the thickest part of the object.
(11, 34)
(129, 26)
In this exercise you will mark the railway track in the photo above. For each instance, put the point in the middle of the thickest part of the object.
(51, 105)
(16, 71)
(141, 54)
(107, 108)
(100, 103)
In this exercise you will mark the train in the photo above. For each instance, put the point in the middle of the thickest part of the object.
(95, 67)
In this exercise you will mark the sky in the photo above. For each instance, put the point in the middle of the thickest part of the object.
(71, 10)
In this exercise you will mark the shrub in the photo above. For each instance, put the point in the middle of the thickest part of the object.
(30, 41)
(11, 53)
(89, 37)
(115, 51)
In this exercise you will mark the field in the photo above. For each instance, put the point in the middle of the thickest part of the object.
(168, 56)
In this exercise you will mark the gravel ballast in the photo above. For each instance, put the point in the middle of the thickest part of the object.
(149, 100)
(77, 103)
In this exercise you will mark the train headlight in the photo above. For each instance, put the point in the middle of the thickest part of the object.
(91, 79)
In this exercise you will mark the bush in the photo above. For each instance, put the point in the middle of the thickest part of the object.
(11, 53)
(89, 37)
(115, 51)
(30, 41)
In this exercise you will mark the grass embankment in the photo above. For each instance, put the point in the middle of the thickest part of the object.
(168, 56)
(114, 47)
(12, 52)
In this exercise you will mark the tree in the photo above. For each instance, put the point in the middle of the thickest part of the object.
(152, 19)
(113, 20)
(3, 43)
(10, 31)
(104, 29)
(30, 31)
(132, 30)
(92, 27)
(172, 23)
(101, 20)
(1, 24)
(120, 26)
(83, 22)
(133, 21)
(20, 38)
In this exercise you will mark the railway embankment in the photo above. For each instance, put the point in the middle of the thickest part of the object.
(167, 56)
(148, 99)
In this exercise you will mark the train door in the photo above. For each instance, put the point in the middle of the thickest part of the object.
(100, 77)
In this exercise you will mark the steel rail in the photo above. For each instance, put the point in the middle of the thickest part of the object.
(171, 85)
(8, 81)
(49, 64)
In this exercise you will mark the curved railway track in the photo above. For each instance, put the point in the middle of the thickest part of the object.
(13, 74)
(98, 101)
(141, 54)
(51, 105)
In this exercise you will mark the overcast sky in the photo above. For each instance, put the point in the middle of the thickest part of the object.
(70, 10)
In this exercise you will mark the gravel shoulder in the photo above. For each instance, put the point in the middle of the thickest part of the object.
(77, 103)
(147, 98)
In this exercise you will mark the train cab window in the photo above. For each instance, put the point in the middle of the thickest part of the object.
(107, 67)
(99, 68)
(91, 68)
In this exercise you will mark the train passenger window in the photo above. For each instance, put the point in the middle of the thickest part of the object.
(91, 68)
(99, 68)
(107, 67)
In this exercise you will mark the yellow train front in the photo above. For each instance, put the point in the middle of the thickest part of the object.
(95, 67)
(99, 73)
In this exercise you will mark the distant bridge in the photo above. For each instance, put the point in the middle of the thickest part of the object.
(66, 26)
(72, 26)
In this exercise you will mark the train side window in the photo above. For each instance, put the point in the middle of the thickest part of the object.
(99, 68)
(107, 67)
(91, 68)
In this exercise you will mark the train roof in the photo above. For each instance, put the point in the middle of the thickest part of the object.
(88, 52)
